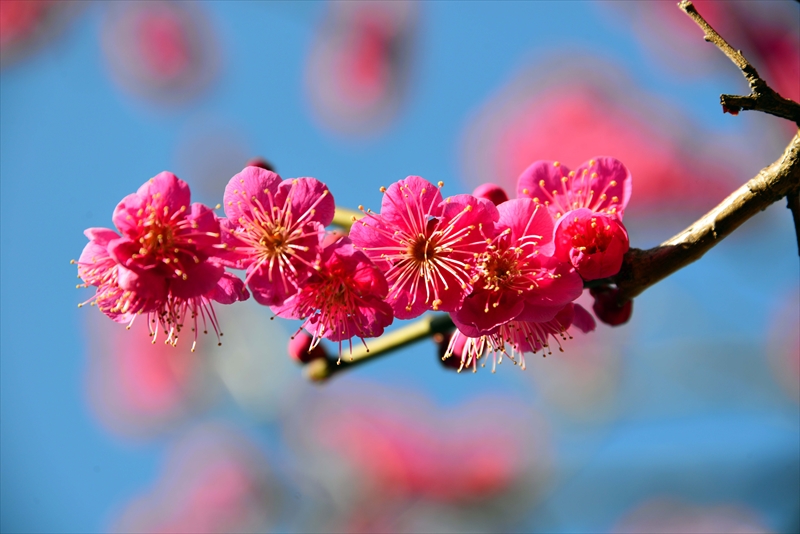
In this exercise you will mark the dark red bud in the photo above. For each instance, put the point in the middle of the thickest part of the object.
(454, 361)
(299, 345)
(492, 192)
(260, 162)
(607, 308)
(734, 110)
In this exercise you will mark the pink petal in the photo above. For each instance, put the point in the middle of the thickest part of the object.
(166, 189)
(583, 320)
(558, 290)
(609, 171)
(126, 214)
(473, 311)
(122, 251)
(229, 289)
(408, 203)
(145, 285)
(201, 279)
(525, 218)
(101, 236)
(251, 182)
(310, 200)
(529, 184)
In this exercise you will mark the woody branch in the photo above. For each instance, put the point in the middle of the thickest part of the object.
(642, 269)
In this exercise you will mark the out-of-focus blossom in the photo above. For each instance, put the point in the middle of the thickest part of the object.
(767, 33)
(215, 480)
(583, 382)
(381, 450)
(344, 297)
(425, 245)
(783, 344)
(667, 515)
(585, 108)
(26, 25)
(137, 388)
(360, 64)
(211, 150)
(165, 51)
(274, 228)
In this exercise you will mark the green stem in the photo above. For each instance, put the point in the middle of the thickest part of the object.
(323, 368)
(345, 218)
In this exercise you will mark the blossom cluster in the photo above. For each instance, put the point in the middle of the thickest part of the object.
(506, 270)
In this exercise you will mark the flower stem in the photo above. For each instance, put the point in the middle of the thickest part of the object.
(345, 218)
(322, 368)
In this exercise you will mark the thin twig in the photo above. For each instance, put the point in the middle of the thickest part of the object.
(321, 369)
(762, 97)
(793, 203)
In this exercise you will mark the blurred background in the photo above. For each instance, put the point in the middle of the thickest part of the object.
(684, 420)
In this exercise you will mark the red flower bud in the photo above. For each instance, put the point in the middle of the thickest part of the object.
(299, 346)
(607, 307)
(492, 192)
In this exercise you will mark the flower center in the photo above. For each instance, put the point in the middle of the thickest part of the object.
(159, 240)
(590, 237)
(275, 241)
(423, 249)
(500, 271)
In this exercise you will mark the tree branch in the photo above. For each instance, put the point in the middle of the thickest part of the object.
(762, 97)
(643, 268)
(321, 369)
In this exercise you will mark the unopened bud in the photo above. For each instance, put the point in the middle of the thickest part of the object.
(260, 162)
(607, 307)
(492, 192)
(299, 348)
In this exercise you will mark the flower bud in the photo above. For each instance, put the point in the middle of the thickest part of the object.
(491, 192)
(299, 346)
(607, 307)
(260, 162)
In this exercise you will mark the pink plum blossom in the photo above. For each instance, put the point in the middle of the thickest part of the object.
(97, 268)
(426, 245)
(164, 264)
(343, 298)
(166, 242)
(274, 229)
(588, 205)
(515, 276)
(602, 185)
(514, 338)
(593, 243)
